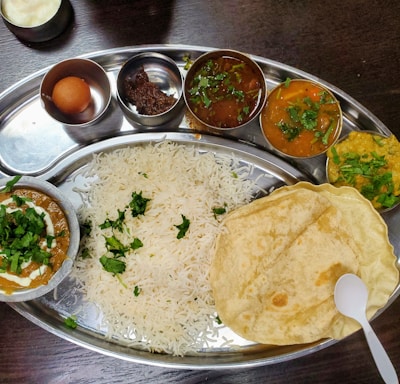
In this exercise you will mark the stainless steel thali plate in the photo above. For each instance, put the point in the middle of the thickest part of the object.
(32, 143)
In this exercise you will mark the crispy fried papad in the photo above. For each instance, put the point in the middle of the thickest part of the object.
(277, 260)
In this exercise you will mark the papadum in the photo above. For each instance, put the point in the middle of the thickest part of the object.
(277, 260)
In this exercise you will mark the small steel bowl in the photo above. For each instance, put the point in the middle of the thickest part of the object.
(42, 32)
(272, 115)
(73, 224)
(195, 98)
(100, 88)
(359, 150)
(163, 72)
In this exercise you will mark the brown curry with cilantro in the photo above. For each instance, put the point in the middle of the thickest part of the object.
(301, 118)
(225, 92)
(34, 239)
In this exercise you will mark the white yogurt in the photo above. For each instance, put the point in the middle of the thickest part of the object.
(29, 13)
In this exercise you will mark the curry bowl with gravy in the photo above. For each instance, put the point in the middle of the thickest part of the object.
(301, 119)
(225, 89)
(370, 162)
(39, 238)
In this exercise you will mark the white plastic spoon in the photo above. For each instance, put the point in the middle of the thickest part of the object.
(351, 296)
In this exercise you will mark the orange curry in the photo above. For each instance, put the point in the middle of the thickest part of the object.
(53, 240)
(301, 118)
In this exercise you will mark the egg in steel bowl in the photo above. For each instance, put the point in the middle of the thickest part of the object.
(76, 92)
(301, 119)
(225, 89)
(39, 238)
(369, 162)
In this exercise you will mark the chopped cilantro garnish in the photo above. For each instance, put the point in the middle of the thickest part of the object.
(115, 246)
(71, 322)
(49, 241)
(21, 234)
(86, 228)
(136, 243)
(115, 224)
(112, 265)
(19, 200)
(85, 254)
(218, 211)
(290, 132)
(183, 227)
(371, 168)
(137, 290)
(188, 62)
(302, 114)
(10, 184)
(309, 119)
(138, 204)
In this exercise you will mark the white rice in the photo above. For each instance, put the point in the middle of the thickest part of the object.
(174, 311)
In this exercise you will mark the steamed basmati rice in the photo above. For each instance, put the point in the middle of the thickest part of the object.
(173, 309)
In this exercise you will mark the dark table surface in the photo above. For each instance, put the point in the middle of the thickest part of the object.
(354, 45)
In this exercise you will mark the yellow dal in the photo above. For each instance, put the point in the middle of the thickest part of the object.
(364, 143)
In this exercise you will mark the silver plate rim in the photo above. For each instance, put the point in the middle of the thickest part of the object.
(112, 59)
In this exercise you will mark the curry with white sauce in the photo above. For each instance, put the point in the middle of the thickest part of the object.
(34, 239)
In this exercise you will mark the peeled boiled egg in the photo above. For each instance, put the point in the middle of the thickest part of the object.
(71, 95)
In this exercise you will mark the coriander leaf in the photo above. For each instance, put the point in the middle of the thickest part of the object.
(40, 256)
(219, 211)
(205, 99)
(294, 112)
(85, 253)
(112, 265)
(136, 243)
(86, 228)
(137, 290)
(115, 224)
(10, 184)
(309, 119)
(388, 200)
(336, 157)
(182, 227)
(290, 132)
(187, 61)
(15, 265)
(325, 138)
(49, 241)
(18, 200)
(71, 322)
(138, 204)
(115, 246)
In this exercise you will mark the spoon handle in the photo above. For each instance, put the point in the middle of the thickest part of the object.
(382, 361)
